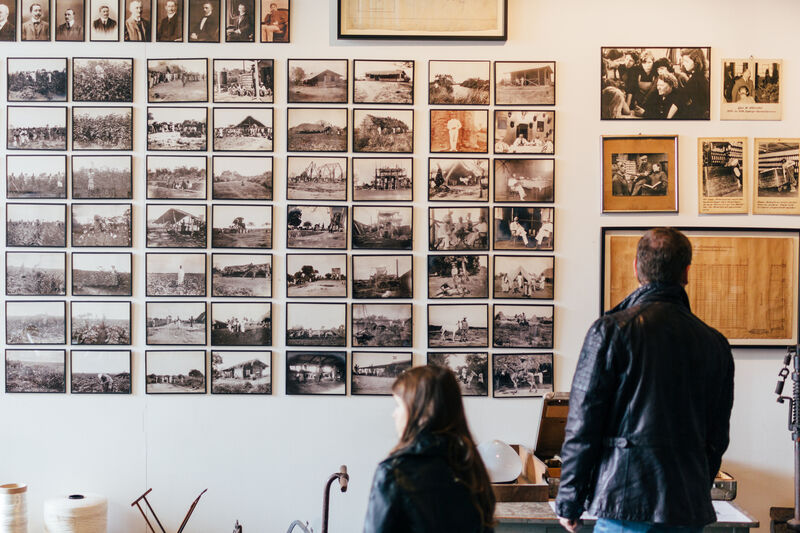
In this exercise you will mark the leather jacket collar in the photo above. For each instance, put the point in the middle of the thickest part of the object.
(426, 443)
(662, 292)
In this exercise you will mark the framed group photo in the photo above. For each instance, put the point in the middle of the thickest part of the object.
(43, 176)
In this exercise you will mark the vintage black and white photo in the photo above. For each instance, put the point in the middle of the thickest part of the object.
(36, 274)
(102, 79)
(102, 274)
(169, 18)
(459, 130)
(316, 324)
(458, 228)
(373, 373)
(8, 18)
(36, 371)
(751, 89)
(317, 129)
(241, 324)
(524, 228)
(177, 80)
(637, 174)
(458, 82)
(36, 225)
(275, 21)
(471, 370)
(385, 325)
(41, 176)
(204, 21)
(522, 326)
(385, 227)
(103, 323)
(723, 175)
(102, 177)
(524, 82)
(171, 274)
(37, 79)
(316, 373)
(316, 226)
(464, 325)
(241, 226)
(138, 22)
(459, 180)
(316, 275)
(379, 179)
(175, 372)
(524, 132)
(244, 81)
(524, 180)
(776, 191)
(102, 128)
(383, 130)
(36, 20)
(316, 178)
(242, 129)
(176, 177)
(177, 128)
(383, 82)
(39, 322)
(102, 225)
(458, 276)
(179, 323)
(240, 21)
(522, 375)
(100, 371)
(383, 277)
(68, 20)
(36, 128)
(104, 16)
(322, 81)
(242, 177)
(241, 372)
(176, 226)
(241, 275)
(523, 276)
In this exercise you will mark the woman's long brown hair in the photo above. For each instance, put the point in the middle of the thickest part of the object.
(433, 400)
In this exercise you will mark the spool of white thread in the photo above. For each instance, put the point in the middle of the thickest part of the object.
(13, 508)
(76, 513)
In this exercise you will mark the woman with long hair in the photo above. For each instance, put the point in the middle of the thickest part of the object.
(434, 480)
(696, 89)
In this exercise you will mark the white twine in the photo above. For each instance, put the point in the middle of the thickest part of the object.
(83, 515)
(13, 508)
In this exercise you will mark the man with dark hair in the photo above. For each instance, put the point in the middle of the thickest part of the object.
(71, 29)
(274, 25)
(650, 405)
(207, 29)
(36, 29)
(104, 24)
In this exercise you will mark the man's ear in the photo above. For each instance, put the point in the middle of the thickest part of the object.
(636, 269)
(685, 278)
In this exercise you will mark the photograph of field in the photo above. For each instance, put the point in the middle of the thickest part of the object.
(522, 326)
(458, 276)
(383, 82)
(377, 179)
(316, 178)
(241, 324)
(241, 275)
(241, 226)
(373, 373)
(36, 128)
(316, 373)
(316, 275)
(388, 325)
(524, 83)
(460, 180)
(471, 370)
(36, 274)
(101, 323)
(36, 225)
(242, 178)
(102, 225)
(317, 130)
(383, 276)
(176, 323)
(176, 177)
(458, 325)
(242, 129)
(458, 82)
(102, 128)
(102, 80)
(318, 80)
(523, 277)
(36, 371)
(170, 226)
(175, 372)
(175, 274)
(317, 324)
(383, 130)
(36, 79)
(243, 372)
(316, 227)
(39, 322)
(100, 372)
(522, 375)
(41, 176)
(102, 176)
(101, 274)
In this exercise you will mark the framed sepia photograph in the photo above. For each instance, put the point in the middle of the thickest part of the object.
(36, 20)
(383, 277)
(36, 274)
(241, 177)
(312, 373)
(524, 276)
(316, 324)
(316, 129)
(458, 180)
(383, 82)
(176, 177)
(775, 190)
(524, 83)
(177, 323)
(176, 226)
(138, 21)
(102, 177)
(36, 322)
(751, 89)
(471, 370)
(100, 323)
(100, 371)
(458, 276)
(102, 274)
(321, 227)
(459, 130)
(175, 274)
(177, 128)
(30, 371)
(316, 275)
(524, 132)
(382, 325)
(40, 176)
(373, 373)
(9, 30)
(68, 20)
(316, 178)
(204, 21)
(34, 225)
(458, 228)
(102, 128)
(524, 228)
(241, 275)
(458, 325)
(458, 82)
(240, 21)
(321, 81)
(177, 80)
(242, 129)
(102, 225)
(36, 79)
(241, 324)
(640, 174)
(521, 375)
(383, 179)
(275, 25)
(723, 181)
(169, 21)
(36, 128)
(105, 20)
(385, 227)
(241, 372)
(522, 326)
(250, 81)
(524, 180)
(175, 371)
(241, 226)
(383, 130)
(102, 79)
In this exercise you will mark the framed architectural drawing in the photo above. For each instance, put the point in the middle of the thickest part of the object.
(723, 182)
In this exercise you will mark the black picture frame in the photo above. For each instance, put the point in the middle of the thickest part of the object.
(331, 138)
(117, 131)
(47, 17)
(262, 67)
(440, 238)
(384, 233)
(87, 282)
(168, 230)
(444, 142)
(507, 98)
(294, 234)
(210, 32)
(248, 125)
(475, 94)
(13, 140)
(318, 171)
(174, 381)
(540, 283)
(324, 284)
(59, 80)
(455, 286)
(245, 190)
(542, 190)
(454, 326)
(405, 83)
(528, 140)
(161, 284)
(55, 372)
(17, 334)
(254, 359)
(383, 179)
(460, 169)
(505, 237)
(177, 179)
(470, 382)
(240, 272)
(27, 162)
(154, 144)
(100, 380)
(50, 234)
(175, 69)
(504, 375)
(307, 335)
(295, 90)
(195, 310)
(10, 32)
(373, 141)
(111, 29)
(376, 380)
(235, 32)
(240, 236)
(120, 188)
(167, 31)
(61, 31)
(103, 86)
(518, 322)
(379, 284)
(103, 231)
(146, 16)
(283, 36)
(375, 331)
(237, 333)
(104, 333)
(302, 380)
(36, 280)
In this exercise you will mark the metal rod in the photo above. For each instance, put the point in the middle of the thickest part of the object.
(136, 503)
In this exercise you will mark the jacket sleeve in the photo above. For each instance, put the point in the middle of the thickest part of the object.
(384, 503)
(719, 415)
(589, 400)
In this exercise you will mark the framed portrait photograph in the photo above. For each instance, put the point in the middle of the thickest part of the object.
(102, 177)
(100, 371)
(105, 20)
(471, 370)
(241, 177)
(524, 180)
(241, 226)
(316, 324)
(373, 373)
(316, 178)
(316, 129)
(250, 81)
(204, 21)
(458, 82)
(458, 325)
(36, 322)
(640, 174)
(751, 89)
(321, 81)
(138, 22)
(524, 228)
(36, 274)
(384, 325)
(383, 179)
(522, 326)
(320, 372)
(241, 275)
(102, 225)
(383, 130)
(316, 275)
(240, 21)
(175, 274)
(524, 132)
(723, 175)
(102, 80)
(102, 128)
(458, 276)
(383, 82)
(241, 324)
(68, 20)
(178, 323)
(383, 277)
(316, 226)
(775, 190)
(472, 20)
(34, 225)
(39, 176)
(243, 129)
(177, 128)
(384, 227)
(524, 83)
(176, 177)
(169, 21)
(176, 226)
(32, 371)
(102, 274)
(521, 375)
(275, 25)
(655, 83)
(241, 372)
(459, 130)
(177, 80)
(101, 323)
(524, 276)
(36, 79)
(175, 371)
(458, 228)
(36, 20)
(36, 128)
(458, 180)
(9, 30)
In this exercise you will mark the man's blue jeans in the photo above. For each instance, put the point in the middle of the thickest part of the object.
(604, 525)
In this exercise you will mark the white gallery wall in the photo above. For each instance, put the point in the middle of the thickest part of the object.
(265, 459)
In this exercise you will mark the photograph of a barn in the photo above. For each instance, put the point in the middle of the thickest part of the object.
(316, 178)
(243, 80)
(389, 325)
(317, 80)
(524, 132)
(372, 373)
(385, 131)
(176, 227)
(241, 275)
(382, 276)
(464, 180)
(242, 372)
(384, 227)
(242, 129)
(316, 130)
(383, 179)
(316, 373)
(383, 82)
(524, 83)
(524, 180)
(316, 275)
(175, 372)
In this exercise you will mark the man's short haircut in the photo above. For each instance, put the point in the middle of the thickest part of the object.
(30, 9)
(662, 256)
(275, 4)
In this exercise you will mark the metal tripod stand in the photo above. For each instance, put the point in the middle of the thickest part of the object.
(792, 357)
